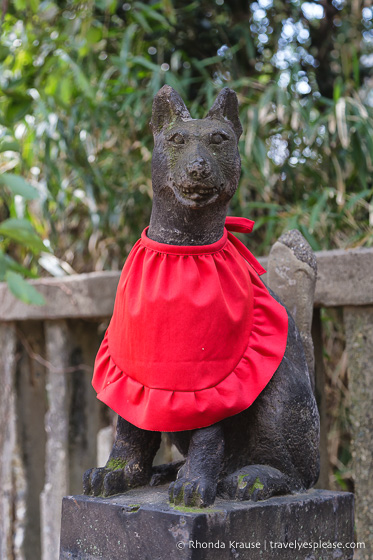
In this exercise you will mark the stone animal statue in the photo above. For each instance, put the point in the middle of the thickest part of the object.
(198, 347)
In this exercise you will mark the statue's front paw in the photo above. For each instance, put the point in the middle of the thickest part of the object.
(192, 492)
(104, 481)
(116, 477)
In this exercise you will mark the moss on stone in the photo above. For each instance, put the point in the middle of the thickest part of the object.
(185, 509)
(172, 122)
(116, 464)
(256, 486)
(242, 483)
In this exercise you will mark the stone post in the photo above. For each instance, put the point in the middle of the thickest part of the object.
(292, 270)
(56, 425)
(359, 336)
(7, 438)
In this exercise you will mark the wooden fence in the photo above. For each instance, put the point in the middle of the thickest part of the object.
(51, 421)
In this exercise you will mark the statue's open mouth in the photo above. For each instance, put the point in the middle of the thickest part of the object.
(195, 195)
(198, 192)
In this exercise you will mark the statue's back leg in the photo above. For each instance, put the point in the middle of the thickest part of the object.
(276, 442)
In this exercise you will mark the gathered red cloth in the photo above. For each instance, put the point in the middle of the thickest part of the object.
(195, 335)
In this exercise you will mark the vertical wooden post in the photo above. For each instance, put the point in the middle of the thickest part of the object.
(359, 343)
(7, 438)
(56, 425)
(320, 395)
(87, 415)
(31, 408)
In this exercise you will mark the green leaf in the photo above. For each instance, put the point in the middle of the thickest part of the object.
(81, 80)
(146, 63)
(128, 35)
(141, 20)
(4, 265)
(19, 186)
(267, 97)
(93, 35)
(9, 146)
(20, 4)
(7, 263)
(4, 51)
(64, 90)
(22, 289)
(260, 155)
(249, 43)
(16, 110)
(356, 68)
(363, 195)
(317, 209)
(337, 89)
(152, 13)
(22, 232)
(109, 5)
(34, 4)
(271, 205)
(210, 60)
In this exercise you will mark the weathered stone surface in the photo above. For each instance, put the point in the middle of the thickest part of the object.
(142, 525)
(31, 408)
(359, 337)
(320, 380)
(56, 425)
(8, 439)
(79, 295)
(344, 278)
(292, 275)
(86, 415)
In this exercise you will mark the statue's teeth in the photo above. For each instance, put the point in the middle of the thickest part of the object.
(200, 190)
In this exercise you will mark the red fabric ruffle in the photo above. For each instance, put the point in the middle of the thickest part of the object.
(195, 336)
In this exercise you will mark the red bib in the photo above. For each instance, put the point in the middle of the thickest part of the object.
(195, 336)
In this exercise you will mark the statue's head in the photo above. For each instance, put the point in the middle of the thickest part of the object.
(196, 159)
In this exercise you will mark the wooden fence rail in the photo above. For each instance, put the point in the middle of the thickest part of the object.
(50, 420)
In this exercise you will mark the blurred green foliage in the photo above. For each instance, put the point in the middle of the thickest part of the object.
(77, 80)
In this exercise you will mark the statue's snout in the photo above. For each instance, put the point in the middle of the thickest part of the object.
(198, 168)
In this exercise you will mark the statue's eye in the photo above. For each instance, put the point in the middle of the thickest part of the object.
(177, 139)
(217, 138)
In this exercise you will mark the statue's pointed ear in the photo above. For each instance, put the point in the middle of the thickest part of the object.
(167, 107)
(226, 108)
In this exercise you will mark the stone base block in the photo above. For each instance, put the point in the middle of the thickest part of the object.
(142, 525)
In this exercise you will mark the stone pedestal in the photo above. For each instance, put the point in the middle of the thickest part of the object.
(142, 525)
